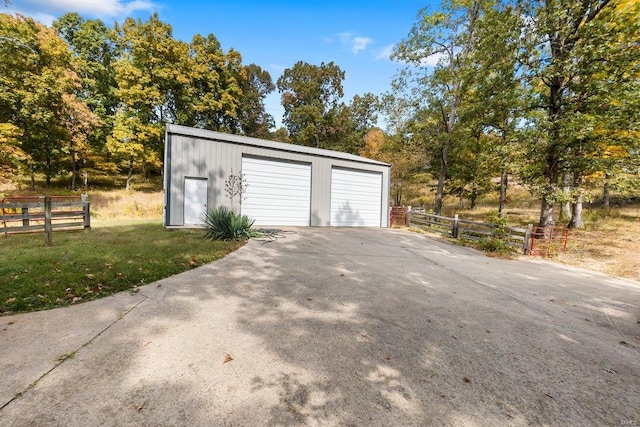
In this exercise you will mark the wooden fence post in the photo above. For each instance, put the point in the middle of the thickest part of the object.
(454, 227)
(527, 239)
(87, 211)
(47, 221)
(25, 216)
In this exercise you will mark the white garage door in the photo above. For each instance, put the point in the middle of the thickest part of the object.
(356, 198)
(279, 193)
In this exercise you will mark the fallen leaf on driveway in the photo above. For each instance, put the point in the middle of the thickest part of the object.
(140, 406)
(466, 380)
(227, 358)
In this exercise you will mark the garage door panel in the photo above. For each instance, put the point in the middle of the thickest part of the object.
(278, 192)
(356, 198)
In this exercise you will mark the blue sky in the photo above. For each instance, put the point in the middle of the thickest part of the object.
(357, 35)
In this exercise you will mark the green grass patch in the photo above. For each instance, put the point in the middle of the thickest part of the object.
(90, 264)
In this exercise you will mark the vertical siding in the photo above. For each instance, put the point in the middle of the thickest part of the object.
(203, 158)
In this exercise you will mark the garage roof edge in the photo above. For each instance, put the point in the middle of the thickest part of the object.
(263, 143)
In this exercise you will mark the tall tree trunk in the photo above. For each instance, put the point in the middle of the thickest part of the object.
(33, 176)
(398, 194)
(576, 206)
(565, 213)
(551, 160)
(129, 174)
(474, 195)
(504, 181)
(606, 197)
(48, 171)
(576, 212)
(74, 170)
(444, 159)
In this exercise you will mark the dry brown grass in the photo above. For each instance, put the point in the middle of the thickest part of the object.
(118, 206)
(609, 243)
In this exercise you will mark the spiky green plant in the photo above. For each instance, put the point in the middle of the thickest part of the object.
(224, 224)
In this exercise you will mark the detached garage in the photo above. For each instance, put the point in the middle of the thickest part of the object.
(287, 184)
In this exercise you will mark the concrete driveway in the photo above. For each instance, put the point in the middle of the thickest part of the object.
(336, 327)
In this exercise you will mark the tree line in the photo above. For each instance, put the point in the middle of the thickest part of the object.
(80, 97)
(543, 92)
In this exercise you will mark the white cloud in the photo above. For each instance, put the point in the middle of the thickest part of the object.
(349, 39)
(385, 53)
(360, 43)
(96, 8)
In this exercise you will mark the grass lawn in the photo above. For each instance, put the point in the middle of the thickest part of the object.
(86, 265)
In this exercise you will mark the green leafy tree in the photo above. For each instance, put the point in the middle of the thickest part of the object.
(310, 97)
(94, 48)
(253, 118)
(37, 98)
(447, 37)
(214, 86)
(578, 56)
(152, 75)
(12, 156)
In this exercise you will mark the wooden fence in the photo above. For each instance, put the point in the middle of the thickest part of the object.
(44, 213)
(519, 238)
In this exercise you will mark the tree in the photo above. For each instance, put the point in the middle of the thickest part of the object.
(94, 50)
(152, 76)
(214, 92)
(495, 97)
(79, 121)
(447, 36)
(12, 156)
(253, 118)
(310, 96)
(358, 119)
(129, 141)
(577, 55)
(94, 47)
(38, 85)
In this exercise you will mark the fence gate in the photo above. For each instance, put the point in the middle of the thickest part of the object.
(547, 241)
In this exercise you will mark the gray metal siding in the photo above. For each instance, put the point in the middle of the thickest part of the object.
(199, 157)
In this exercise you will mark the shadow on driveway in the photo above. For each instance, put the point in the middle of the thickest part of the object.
(352, 327)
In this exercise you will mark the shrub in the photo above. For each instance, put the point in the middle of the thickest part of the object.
(224, 224)
(496, 242)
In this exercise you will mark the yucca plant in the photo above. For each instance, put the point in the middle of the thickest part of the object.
(224, 224)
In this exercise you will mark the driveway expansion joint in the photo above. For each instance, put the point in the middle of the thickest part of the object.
(63, 358)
